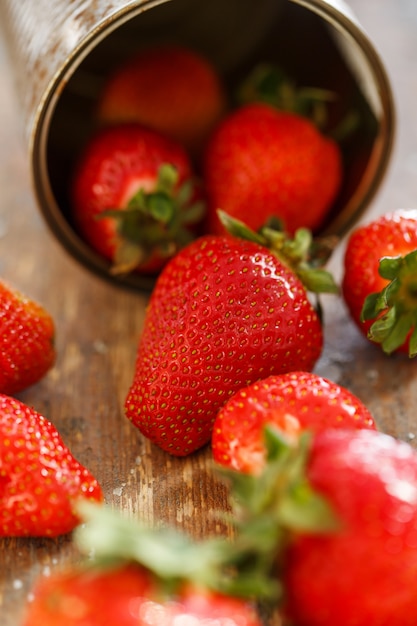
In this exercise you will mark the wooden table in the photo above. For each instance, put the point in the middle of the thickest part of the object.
(98, 326)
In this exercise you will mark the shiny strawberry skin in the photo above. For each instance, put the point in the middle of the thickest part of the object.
(128, 596)
(39, 478)
(261, 162)
(392, 234)
(291, 402)
(365, 572)
(168, 88)
(224, 313)
(27, 349)
(116, 162)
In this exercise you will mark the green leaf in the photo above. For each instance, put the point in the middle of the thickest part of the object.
(373, 305)
(318, 281)
(304, 510)
(167, 178)
(389, 267)
(160, 207)
(239, 229)
(396, 332)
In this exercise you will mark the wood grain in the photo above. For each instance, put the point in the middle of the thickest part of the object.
(98, 326)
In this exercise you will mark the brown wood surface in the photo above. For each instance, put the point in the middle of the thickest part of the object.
(98, 326)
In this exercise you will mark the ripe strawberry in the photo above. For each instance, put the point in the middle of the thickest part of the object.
(379, 282)
(223, 314)
(333, 519)
(27, 350)
(39, 478)
(133, 198)
(291, 402)
(168, 88)
(261, 162)
(153, 585)
(366, 571)
(128, 596)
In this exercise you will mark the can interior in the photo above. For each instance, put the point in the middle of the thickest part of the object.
(234, 35)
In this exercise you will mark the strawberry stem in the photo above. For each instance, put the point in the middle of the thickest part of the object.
(304, 255)
(269, 84)
(155, 222)
(173, 557)
(394, 309)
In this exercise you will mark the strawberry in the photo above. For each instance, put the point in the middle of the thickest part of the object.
(27, 349)
(261, 163)
(151, 577)
(333, 519)
(39, 478)
(127, 596)
(134, 199)
(224, 313)
(364, 573)
(291, 402)
(169, 88)
(379, 282)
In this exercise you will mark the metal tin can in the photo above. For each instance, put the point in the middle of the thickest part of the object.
(63, 50)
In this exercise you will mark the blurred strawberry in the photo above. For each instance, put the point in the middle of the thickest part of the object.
(139, 577)
(333, 519)
(168, 88)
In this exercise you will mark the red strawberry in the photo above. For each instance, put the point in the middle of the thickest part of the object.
(169, 88)
(39, 478)
(133, 198)
(224, 313)
(153, 586)
(81, 596)
(261, 162)
(27, 350)
(128, 596)
(365, 572)
(290, 402)
(333, 519)
(379, 283)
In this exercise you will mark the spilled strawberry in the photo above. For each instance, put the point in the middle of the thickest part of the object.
(379, 283)
(169, 88)
(27, 348)
(138, 577)
(338, 513)
(40, 480)
(134, 197)
(224, 313)
(291, 402)
(261, 163)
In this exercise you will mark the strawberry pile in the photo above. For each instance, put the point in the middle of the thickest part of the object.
(220, 202)
(257, 156)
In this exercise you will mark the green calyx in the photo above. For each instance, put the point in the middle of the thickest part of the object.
(270, 508)
(394, 309)
(266, 511)
(156, 222)
(304, 255)
(171, 556)
(270, 85)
